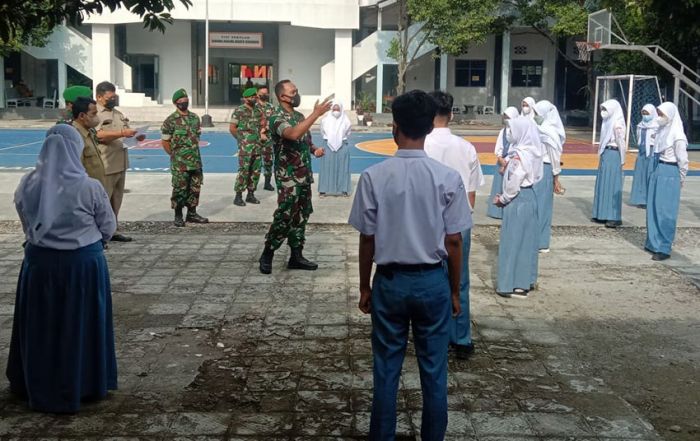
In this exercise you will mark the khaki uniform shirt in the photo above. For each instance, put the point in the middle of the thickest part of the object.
(91, 155)
(114, 155)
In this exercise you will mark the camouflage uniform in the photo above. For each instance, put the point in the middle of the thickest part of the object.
(267, 110)
(183, 132)
(293, 177)
(248, 122)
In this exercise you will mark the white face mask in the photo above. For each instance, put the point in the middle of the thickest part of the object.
(509, 136)
(526, 110)
(336, 113)
(663, 120)
(604, 114)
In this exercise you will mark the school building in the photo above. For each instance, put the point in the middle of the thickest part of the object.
(324, 46)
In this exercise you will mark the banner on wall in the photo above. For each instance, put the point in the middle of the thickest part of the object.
(236, 40)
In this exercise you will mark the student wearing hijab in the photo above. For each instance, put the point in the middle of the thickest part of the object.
(334, 174)
(527, 107)
(517, 248)
(646, 134)
(664, 193)
(62, 347)
(552, 136)
(607, 201)
(501, 150)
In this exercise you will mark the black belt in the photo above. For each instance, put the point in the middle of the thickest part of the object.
(526, 186)
(668, 163)
(408, 268)
(609, 147)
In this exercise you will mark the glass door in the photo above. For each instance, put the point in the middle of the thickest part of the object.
(244, 76)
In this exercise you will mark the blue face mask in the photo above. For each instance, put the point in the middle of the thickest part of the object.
(647, 118)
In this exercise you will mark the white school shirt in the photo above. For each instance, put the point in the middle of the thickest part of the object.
(514, 177)
(678, 153)
(456, 153)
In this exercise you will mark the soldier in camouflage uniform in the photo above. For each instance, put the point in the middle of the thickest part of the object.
(69, 96)
(180, 137)
(267, 109)
(293, 149)
(245, 126)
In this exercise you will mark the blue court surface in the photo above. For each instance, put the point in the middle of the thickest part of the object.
(19, 149)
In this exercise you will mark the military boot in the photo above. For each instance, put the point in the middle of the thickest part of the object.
(238, 200)
(298, 261)
(251, 198)
(268, 184)
(193, 217)
(266, 260)
(179, 221)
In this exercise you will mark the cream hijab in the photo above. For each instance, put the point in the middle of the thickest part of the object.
(615, 119)
(527, 145)
(335, 130)
(673, 131)
(531, 104)
(651, 128)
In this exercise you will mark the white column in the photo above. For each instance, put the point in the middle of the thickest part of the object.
(343, 66)
(62, 81)
(379, 19)
(102, 53)
(380, 88)
(443, 72)
(2, 82)
(505, 71)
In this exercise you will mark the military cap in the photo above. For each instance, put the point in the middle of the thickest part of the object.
(180, 93)
(250, 92)
(74, 92)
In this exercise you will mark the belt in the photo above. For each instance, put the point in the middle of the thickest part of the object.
(526, 186)
(408, 268)
(609, 147)
(668, 163)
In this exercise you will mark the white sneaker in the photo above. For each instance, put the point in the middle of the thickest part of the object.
(519, 294)
(544, 250)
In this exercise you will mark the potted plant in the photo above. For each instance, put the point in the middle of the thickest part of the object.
(363, 107)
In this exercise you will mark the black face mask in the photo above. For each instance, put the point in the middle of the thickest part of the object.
(112, 103)
(265, 98)
(296, 100)
(183, 106)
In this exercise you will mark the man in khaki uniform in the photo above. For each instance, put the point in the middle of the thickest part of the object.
(84, 117)
(112, 128)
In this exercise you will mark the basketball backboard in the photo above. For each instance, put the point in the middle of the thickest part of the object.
(599, 27)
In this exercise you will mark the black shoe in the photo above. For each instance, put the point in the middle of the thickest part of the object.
(298, 261)
(268, 185)
(660, 256)
(193, 217)
(266, 261)
(463, 352)
(121, 238)
(238, 200)
(179, 221)
(612, 224)
(251, 198)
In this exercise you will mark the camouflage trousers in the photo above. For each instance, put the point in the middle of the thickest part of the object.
(267, 158)
(186, 188)
(289, 221)
(248, 170)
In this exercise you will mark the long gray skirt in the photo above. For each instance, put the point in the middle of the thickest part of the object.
(607, 200)
(517, 248)
(334, 173)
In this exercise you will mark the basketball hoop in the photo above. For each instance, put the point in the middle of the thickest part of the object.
(585, 48)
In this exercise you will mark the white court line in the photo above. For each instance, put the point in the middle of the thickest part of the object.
(21, 145)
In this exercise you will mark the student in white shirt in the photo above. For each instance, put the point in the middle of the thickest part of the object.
(459, 154)
(607, 200)
(501, 150)
(665, 184)
(517, 247)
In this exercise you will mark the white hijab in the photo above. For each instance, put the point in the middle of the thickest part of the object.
(549, 112)
(651, 128)
(531, 104)
(527, 145)
(52, 188)
(615, 119)
(336, 130)
(511, 113)
(673, 131)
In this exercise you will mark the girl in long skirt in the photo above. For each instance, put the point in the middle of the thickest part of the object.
(334, 174)
(501, 151)
(643, 167)
(664, 194)
(62, 347)
(517, 248)
(607, 200)
(553, 136)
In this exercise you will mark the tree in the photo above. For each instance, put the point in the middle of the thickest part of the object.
(31, 22)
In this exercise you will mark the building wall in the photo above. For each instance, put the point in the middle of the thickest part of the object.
(421, 73)
(474, 95)
(538, 48)
(174, 49)
(302, 54)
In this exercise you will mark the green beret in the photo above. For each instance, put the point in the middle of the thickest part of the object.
(74, 92)
(250, 92)
(180, 93)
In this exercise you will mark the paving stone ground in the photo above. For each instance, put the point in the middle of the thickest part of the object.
(210, 349)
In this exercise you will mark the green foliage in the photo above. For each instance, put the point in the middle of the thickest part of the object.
(365, 103)
(31, 22)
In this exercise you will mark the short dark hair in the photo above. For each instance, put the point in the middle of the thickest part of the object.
(104, 87)
(81, 105)
(279, 87)
(444, 102)
(413, 113)
(263, 87)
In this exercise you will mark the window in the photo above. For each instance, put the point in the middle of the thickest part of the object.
(470, 73)
(526, 73)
